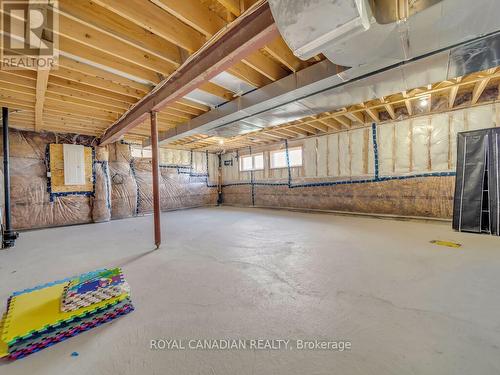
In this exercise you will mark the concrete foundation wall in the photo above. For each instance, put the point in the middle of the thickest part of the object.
(425, 197)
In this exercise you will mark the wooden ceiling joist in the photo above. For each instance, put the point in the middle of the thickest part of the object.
(103, 58)
(250, 33)
(139, 89)
(109, 44)
(265, 66)
(469, 86)
(194, 14)
(150, 17)
(280, 51)
(390, 110)
(249, 75)
(41, 89)
(91, 14)
(232, 5)
(96, 86)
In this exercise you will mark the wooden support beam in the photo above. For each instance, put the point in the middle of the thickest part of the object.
(156, 178)
(250, 32)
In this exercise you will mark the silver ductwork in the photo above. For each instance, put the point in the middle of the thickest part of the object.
(322, 87)
(311, 27)
(417, 27)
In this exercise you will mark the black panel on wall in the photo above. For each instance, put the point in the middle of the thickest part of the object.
(494, 180)
(476, 201)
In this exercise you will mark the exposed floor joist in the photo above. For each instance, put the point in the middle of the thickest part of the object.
(251, 32)
(111, 56)
(394, 107)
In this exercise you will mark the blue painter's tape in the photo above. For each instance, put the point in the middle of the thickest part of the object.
(375, 150)
(53, 195)
(344, 182)
(252, 180)
(134, 175)
(189, 170)
(376, 178)
(288, 163)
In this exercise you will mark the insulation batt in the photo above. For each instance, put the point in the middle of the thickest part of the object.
(101, 203)
(405, 147)
(122, 184)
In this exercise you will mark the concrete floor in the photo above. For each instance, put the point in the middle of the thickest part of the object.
(407, 306)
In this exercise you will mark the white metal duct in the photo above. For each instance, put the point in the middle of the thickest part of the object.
(328, 25)
(310, 27)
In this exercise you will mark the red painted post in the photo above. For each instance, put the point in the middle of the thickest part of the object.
(156, 178)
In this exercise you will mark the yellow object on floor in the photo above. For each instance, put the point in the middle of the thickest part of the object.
(39, 309)
(4, 348)
(446, 243)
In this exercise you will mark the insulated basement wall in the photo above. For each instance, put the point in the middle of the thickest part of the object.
(410, 172)
(122, 184)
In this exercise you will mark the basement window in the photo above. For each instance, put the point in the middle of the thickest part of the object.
(139, 152)
(136, 151)
(278, 158)
(253, 162)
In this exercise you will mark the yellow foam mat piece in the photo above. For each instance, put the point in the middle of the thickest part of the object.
(446, 243)
(4, 348)
(41, 308)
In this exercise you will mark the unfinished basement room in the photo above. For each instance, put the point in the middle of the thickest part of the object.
(250, 187)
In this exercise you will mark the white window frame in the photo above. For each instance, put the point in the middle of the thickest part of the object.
(284, 151)
(136, 151)
(141, 152)
(253, 162)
